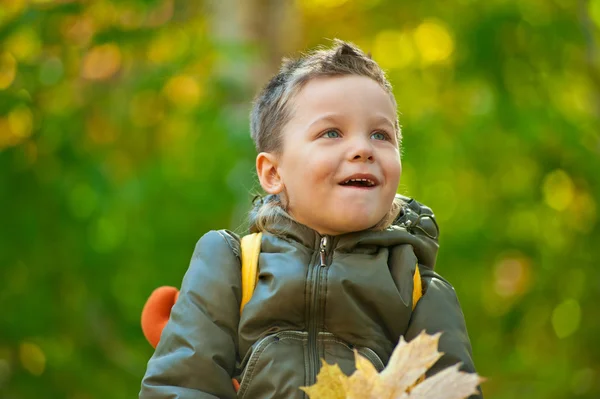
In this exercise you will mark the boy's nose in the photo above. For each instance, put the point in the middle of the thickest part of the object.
(363, 157)
(363, 151)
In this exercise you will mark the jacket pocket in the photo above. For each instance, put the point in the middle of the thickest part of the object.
(250, 364)
(372, 356)
(345, 357)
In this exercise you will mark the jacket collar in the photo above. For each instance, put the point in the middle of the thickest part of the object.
(415, 226)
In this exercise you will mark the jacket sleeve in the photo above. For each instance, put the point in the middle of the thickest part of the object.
(439, 311)
(196, 355)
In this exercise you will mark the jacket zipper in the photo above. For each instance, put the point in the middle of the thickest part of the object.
(315, 314)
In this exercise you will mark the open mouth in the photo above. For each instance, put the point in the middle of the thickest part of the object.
(358, 183)
(366, 181)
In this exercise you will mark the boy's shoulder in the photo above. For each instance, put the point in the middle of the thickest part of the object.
(417, 216)
(219, 238)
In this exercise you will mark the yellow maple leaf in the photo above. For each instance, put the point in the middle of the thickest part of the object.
(363, 382)
(401, 379)
(329, 383)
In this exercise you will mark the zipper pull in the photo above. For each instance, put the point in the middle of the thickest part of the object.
(322, 250)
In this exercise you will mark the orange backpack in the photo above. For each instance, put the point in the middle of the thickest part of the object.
(157, 310)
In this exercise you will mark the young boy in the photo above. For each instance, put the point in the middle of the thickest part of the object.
(340, 251)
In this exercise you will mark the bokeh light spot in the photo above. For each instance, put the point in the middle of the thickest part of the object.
(167, 46)
(106, 234)
(101, 62)
(78, 29)
(481, 99)
(161, 14)
(558, 189)
(318, 4)
(183, 90)
(11, 8)
(16, 127)
(566, 318)
(32, 358)
(130, 15)
(24, 44)
(583, 212)
(51, 71)
(20, 121)
(594, 11)
(104, 14)
(434, 42)
(99, 129)
(574, 96)
(511, 276)
(393, 49)
(8, 70)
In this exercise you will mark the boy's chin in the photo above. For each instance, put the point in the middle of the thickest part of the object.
(352, 226)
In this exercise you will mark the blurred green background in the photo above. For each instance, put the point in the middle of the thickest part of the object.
(124, 137)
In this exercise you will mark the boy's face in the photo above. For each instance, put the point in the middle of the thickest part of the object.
(341, 128)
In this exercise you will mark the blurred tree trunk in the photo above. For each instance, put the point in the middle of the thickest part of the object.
(270, 25)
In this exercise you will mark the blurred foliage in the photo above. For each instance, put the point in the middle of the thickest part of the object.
(124, 137)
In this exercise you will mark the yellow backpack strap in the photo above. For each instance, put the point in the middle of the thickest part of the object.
(250, 251)
(417, 287)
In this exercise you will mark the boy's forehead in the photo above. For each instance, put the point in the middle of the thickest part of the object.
(323, 94)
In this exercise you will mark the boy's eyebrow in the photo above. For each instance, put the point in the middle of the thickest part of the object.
(383, 119)
(333, 118)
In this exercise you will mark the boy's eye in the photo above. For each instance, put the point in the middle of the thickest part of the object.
(380, 136)
(331, 134)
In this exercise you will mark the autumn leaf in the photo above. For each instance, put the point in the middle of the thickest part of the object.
(401, 379)
(447, 384)
(409, 362)
(329, 383)
(363, 382)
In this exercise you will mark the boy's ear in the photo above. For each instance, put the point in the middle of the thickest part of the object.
(267, 168)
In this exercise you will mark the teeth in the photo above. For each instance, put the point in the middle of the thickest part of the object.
(370, 182)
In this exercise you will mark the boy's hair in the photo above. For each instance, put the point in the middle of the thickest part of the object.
(272, 110)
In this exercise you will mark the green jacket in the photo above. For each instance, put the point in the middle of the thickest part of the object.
(316, 297)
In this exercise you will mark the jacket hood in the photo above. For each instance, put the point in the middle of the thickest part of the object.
(415, 225)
